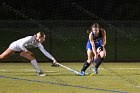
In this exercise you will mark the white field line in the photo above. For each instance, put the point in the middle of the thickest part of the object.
(133, 85)
(122, 68)
(117, 69)
(2, 70)
(27, 69)
(31, 70)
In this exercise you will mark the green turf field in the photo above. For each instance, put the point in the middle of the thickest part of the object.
(112, 78)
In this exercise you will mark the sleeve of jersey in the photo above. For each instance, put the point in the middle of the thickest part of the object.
(47, 54)
(25, 41)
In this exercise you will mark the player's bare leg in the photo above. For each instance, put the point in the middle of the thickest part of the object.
(7, 53)
(30, 56)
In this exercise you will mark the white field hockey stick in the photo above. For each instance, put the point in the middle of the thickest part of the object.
(74, 71)
(91, 67)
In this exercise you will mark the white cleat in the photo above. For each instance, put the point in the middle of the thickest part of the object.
(41, 74)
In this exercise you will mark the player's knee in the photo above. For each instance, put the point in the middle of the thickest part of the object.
(32, 55)
(29, 56)
(89, 60)
(103, 54)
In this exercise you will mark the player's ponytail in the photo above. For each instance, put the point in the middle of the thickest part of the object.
(88, 32)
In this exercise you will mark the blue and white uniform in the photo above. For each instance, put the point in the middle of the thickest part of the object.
(97, 40)
(29, 42)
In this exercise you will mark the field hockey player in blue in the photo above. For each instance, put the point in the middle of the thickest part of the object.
(95, 48)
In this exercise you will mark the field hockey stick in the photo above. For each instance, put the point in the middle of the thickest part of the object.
(74, 71)
(94, 60)
(91, 67)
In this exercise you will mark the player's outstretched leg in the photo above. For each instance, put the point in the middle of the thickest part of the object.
(6, 53)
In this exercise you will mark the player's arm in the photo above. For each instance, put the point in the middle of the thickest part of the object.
(93, 45)
(104, 37)
(104, 41)
(47, 54)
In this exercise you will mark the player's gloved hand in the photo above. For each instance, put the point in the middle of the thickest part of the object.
(54, 61)
(54, 64)
(99, 49)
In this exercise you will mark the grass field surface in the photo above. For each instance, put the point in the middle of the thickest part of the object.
(112, 78)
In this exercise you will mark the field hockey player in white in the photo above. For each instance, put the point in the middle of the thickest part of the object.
(21, 46)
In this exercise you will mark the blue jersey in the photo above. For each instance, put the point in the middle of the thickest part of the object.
(97, 40)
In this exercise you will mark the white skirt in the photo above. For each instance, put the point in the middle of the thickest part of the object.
(14, 46)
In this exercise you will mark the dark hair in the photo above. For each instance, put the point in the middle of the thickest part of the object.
(41, 34)
(95, 25)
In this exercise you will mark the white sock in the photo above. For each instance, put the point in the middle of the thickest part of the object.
(35, 65)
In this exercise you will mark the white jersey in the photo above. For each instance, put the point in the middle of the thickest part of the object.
(29, 42)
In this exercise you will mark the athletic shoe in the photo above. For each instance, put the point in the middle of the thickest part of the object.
(95, 71)
(54, 65)
(40, 74)
(82, 73)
